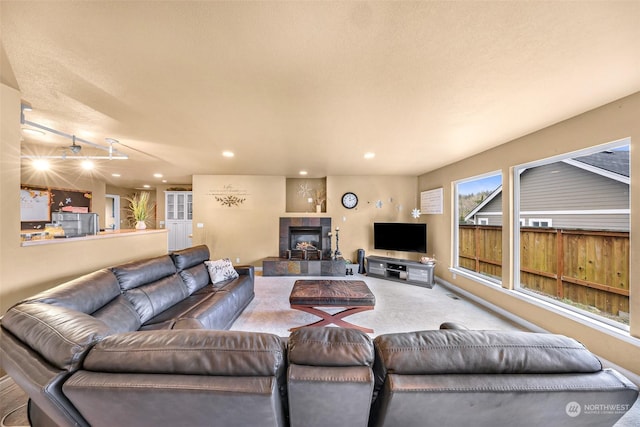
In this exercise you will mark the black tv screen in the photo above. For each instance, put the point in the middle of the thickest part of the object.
(397, 236)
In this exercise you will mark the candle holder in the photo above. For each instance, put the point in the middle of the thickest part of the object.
(330, 245)
(337, 254)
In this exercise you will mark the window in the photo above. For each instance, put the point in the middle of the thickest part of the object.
(478, 219)
(537, 222)
(575, 250)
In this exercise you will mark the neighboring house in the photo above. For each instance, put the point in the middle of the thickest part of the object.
(588, 192)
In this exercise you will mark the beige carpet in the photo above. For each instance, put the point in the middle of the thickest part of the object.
(399, 308)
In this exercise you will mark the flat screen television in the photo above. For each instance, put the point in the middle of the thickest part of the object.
(398, 236)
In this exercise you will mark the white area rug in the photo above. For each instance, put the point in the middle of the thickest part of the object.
(400, 307)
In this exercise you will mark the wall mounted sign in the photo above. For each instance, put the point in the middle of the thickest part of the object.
(431, 201)
(229, 197)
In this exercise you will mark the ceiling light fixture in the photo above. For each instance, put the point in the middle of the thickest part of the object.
(87, 165)
(228, 153)
(303, 172)
(369, 155)
(40, 164)
(114, 154)
(157, 175)
(116, 175)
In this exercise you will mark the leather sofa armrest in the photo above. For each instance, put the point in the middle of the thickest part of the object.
(62, 336)
(189, 352)
(245, 270)
(453, 325)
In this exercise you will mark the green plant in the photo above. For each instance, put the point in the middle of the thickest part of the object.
(139, 208)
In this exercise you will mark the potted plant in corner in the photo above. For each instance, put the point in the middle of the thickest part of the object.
(139, 209)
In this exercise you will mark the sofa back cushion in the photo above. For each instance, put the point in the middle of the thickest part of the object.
(189, 257)
(196, 277)
(138, 273)
(150, 285)
(152, 299)
(86, 293)
(482, 352)
(330, 347)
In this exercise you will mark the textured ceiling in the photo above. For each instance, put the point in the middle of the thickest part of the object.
(310, 85)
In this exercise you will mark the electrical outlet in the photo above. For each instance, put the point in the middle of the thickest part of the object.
(200, 225)
(237, 260)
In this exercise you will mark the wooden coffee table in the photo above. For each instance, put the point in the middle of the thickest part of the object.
(354, 295)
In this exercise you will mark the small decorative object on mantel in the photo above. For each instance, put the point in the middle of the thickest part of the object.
(319, 197)
(428, 260)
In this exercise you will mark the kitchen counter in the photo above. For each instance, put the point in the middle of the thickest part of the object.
(107, 234)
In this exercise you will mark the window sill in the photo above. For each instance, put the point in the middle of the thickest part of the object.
(618, 331)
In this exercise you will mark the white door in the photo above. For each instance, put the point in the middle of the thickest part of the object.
(112, 212)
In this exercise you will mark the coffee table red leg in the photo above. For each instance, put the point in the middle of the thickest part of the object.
(336, 318)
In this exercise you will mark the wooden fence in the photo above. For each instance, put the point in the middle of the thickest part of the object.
(584, 267)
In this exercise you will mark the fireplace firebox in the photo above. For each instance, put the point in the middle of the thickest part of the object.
(305, 238)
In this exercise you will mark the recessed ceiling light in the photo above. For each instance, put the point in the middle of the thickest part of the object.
(228, 153)
(33, 131)
(369, 155)
(146, 186)
(157, 175)
(116, 175)
(40, 164)
(303, 172)
(164, 180)
(87, 164)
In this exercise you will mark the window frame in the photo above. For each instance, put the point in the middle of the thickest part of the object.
(516, 172)
(456, 268)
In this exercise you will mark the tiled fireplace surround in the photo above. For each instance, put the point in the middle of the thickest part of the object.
(282, 266)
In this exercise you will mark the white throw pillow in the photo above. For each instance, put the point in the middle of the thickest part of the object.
(221, 270)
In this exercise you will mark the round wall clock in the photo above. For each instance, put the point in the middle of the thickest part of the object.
(349, 200)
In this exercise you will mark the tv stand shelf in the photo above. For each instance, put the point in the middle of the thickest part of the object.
(401, 270)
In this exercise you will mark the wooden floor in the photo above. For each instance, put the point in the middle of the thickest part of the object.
(13, 404)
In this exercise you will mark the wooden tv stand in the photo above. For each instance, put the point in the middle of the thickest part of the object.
(401, 270)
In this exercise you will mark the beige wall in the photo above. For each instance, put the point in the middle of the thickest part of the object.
(250, 231)
(27, 270)
(609, 123)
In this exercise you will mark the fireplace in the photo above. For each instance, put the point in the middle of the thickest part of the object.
(305, 238)
(300, 237)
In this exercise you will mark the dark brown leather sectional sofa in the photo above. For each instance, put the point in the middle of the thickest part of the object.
(145, 344)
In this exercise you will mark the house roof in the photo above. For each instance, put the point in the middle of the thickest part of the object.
(612, 164)
(305, 85)
(616, 161)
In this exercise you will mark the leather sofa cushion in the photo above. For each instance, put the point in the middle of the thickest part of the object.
(87, 293)
(189, 352)
(152, 299)
(60, 335)
(119, 315)
(330, 347)
(189, 257)
(138, 273)
(483, 352)
(195, 277)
